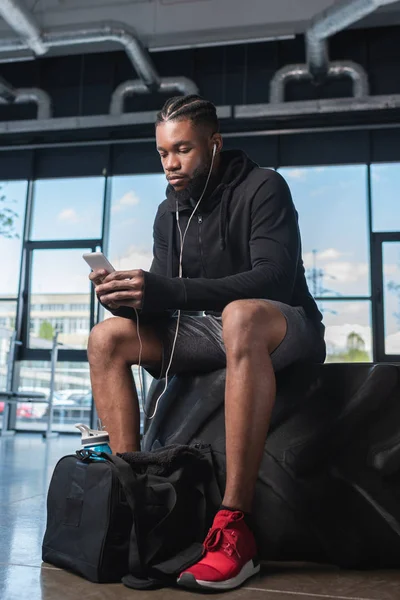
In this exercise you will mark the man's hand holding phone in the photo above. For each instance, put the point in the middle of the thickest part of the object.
(122, 288)
(97, 277)
(115, 288)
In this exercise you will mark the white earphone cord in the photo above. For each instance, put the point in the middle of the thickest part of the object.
(182, 240)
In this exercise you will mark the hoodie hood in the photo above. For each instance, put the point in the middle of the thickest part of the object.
(234, 167)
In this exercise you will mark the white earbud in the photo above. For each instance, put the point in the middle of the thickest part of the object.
(214, 150)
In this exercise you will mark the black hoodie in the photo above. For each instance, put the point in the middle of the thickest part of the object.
(243, 242)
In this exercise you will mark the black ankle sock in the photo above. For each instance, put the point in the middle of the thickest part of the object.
(247, 516)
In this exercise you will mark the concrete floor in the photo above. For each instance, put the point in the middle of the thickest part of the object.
(26, 465)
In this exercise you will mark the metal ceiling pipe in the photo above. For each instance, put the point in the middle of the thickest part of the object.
(7, 92)
(93, 34)
(284, 76)
(24, 24)
(110, 32)
(345, 68)
(35, 95)
(335, 18)
(317, 107)
(168, 85)
(39, 97)
(358, 75)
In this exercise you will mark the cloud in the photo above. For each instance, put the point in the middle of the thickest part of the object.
(351, 308)
(133, 258)
(379, 173)
(320, 192)
(346, 272)
(376, 176)
(324, 255)
(68, 214)
(124, 223)
(127, 200)
(329, 254)
(299, 174)
(342, 271)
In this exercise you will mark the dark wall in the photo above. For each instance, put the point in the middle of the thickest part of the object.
(82, 85)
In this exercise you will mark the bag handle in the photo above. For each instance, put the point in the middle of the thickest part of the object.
(129, 484)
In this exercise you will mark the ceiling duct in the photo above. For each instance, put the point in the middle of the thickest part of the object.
(32, 95)
(331, 21)
(37, 96)
(168, 85)
(94, 34)
(24, 24)
(7, 92)
(318, 67)
(345, 68)
(111, 32)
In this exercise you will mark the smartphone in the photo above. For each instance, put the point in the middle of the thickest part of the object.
(97, 260)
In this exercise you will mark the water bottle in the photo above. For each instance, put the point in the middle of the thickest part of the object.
(94, 439)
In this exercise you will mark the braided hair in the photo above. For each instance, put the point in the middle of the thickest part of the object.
(199, 111)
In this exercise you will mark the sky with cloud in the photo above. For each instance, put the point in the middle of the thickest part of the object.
(331, 202)
(332, 208)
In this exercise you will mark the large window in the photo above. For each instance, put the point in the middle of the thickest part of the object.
(72, 399)
(332, 203)
(332, 207)
(391, 296)
(60, 296)
(385, 185)
(12, 206)
(12, 214)
(134, 202)
(7, 323)
(68, 208)
(347, 330)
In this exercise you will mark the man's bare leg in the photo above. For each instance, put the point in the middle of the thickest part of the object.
(252, 329)
(113, 348)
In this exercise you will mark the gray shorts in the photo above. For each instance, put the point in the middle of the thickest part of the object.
(200, 348)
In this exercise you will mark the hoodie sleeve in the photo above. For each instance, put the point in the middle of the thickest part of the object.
(274, 250)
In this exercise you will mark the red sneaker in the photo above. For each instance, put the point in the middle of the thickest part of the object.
(229, 555)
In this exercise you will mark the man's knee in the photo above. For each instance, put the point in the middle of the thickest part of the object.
(107, 339)
(243, 317)
(248, 324)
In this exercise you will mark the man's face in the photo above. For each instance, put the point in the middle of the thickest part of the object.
(186, 153)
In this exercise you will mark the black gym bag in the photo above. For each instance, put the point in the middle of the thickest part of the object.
(140, 516)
